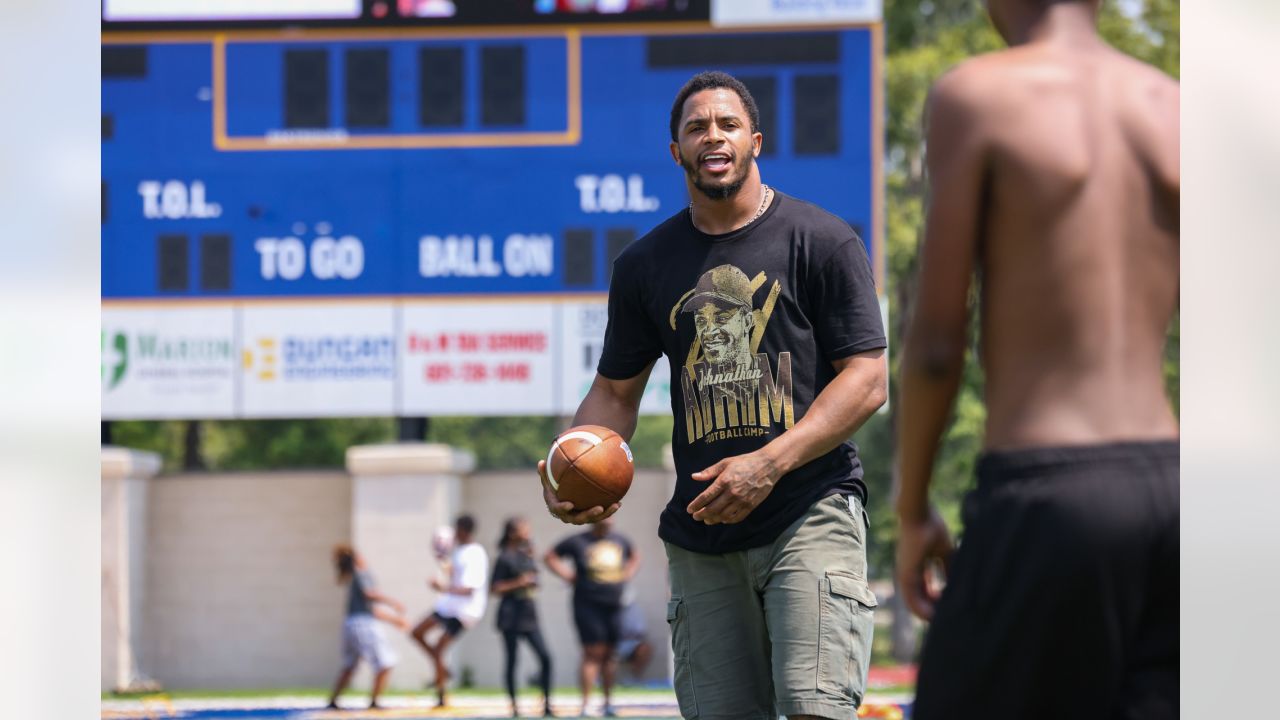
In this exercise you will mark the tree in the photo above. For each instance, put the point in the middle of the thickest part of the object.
(229, 445)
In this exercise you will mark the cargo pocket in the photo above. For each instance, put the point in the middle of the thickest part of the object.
(845, 624)
(679, 622)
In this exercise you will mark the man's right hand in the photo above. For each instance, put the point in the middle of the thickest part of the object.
(563, 511)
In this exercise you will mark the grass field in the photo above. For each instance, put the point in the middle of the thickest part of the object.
(307, 703)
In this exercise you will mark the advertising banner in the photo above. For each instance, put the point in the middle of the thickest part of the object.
(478, 358)
(322, 360)
(357, 359)
(582, 338)
(161, 363)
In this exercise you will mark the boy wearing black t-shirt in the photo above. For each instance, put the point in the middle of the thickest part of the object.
(765, 307)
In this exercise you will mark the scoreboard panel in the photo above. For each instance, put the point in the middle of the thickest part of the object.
(355, 221)
(471, 163)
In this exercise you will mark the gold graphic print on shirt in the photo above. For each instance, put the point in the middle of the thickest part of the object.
(605, 562)
(729, 389)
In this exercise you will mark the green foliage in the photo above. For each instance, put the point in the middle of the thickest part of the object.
(875, 447)
(162, 438)
(253, 444)
(256, 444)
(1172, 350)
(1152, 37)
(520, 442)
(917, 23)
(653, 433)
(498, 442)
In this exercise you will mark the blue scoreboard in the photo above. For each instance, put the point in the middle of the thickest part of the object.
(453, 160)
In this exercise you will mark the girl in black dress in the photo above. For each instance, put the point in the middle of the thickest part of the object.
(515, 580)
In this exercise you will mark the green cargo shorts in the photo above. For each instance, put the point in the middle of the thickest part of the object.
(780, 629)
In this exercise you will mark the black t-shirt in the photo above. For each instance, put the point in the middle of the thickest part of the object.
(516, 611)
(599, 566)
(357, 602)
(750, 322)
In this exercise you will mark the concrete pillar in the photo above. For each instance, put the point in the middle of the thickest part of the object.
(126, 475)
(400, 494)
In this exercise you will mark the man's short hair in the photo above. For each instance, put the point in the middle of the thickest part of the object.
(466, 524)
(710, 80)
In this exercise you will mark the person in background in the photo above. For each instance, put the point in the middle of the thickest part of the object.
(361, 635)
(515, 580)
(461, 603)
(634, 650)
(602, 561)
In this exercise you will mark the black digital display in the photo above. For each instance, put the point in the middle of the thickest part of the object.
(368, 88)
(306, 89)
(440, 91)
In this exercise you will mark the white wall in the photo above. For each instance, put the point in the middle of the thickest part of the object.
(401, 494)
(241, 590)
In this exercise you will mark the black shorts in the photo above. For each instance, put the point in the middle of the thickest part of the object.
(597, 622)
(452, 626)
(1062, 600)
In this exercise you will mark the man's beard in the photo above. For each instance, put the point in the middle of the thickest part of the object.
(717, 192)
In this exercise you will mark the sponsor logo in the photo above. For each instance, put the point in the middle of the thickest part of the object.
(116, 346)
(261, 358)
(342, 358)
(153, 356)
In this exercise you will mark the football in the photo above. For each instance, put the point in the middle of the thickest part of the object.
(442, 542)
(590, 465)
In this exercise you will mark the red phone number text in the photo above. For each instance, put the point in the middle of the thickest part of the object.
(477, 373)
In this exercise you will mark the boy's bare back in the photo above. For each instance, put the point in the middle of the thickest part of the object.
(1073, 156)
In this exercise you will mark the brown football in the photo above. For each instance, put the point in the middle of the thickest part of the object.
(590, 465)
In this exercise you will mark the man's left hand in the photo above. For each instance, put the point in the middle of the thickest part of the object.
(738, 485)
